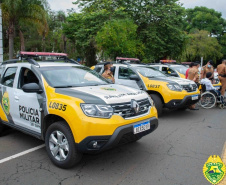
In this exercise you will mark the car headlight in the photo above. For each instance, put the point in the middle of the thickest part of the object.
(175, 87)
(99, 111)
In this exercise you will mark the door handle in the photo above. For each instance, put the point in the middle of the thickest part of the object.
(16, 98)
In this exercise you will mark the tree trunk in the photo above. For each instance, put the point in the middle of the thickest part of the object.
(11, 40)
(65, 44)
(43, 43)
(22, 43)
(91, 54)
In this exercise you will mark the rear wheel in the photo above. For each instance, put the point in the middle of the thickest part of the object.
(60, 145)
(158, 103)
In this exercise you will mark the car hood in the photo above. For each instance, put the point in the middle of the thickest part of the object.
(180, 81)
(104, 94)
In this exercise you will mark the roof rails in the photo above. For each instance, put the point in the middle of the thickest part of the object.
(24, 55)
(13, 61)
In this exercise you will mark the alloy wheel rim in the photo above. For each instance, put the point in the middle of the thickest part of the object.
(58, 145)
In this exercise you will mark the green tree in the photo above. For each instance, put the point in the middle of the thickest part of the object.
(118, 37)
(200, 44)
(56, 40)
(17, 14)
(82, 28)
(203, 18)
(223, 44)
(159, 23)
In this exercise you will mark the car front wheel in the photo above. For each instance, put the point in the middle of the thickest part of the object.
(60, 145)
(158, 103)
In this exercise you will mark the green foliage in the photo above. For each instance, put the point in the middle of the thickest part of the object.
(148, 30)
(223, 44)
(20, 15)
(159, 24)
(162, 32)
(119, 38)
(82, 28)
(200, 44)
(203, 18)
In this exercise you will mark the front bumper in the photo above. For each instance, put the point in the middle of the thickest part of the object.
(187, 101)
(122, 135)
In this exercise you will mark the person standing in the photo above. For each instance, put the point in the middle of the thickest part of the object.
(206, 69)
(108, 72)
(193, 74)
(221, 69)
(190, 66)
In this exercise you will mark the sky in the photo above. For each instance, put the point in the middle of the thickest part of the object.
(218, 5)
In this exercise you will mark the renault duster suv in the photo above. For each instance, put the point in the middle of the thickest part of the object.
(168, 92)
(72, 108)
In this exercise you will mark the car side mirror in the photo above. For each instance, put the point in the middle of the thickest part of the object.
(134, 77)
(32, 88)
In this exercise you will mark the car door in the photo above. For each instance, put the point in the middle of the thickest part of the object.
(122, 76)
(7, 94)
(27, 107)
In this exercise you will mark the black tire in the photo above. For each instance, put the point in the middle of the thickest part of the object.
(1, 128)
(158, 103)
(62, 135)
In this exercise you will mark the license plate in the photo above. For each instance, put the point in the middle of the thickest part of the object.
(141, 127)
(194, 97)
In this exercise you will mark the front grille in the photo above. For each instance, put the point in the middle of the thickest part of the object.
(190, 88)
(126, 111)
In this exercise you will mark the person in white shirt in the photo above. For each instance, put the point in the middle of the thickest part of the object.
(209, 87)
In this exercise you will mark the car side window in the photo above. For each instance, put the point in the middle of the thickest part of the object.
(167, 70)
(155, 67)
(9, 76)
(98, 69)
(125, 73)
(27, 76)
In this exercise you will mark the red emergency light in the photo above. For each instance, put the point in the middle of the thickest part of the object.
(26, 53)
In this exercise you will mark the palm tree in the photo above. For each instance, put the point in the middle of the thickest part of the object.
(18, 13)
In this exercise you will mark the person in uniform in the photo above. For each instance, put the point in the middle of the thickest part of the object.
(108, 72)
(193, 74)
(221, 69)
(207, 68)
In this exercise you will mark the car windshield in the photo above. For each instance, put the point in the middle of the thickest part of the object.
(149, 72)
(180, 69)
(72, 76)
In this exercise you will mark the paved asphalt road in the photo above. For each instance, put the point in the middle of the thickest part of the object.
(174, 154)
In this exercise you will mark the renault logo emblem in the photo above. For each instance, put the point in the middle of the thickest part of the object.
(135, 106)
